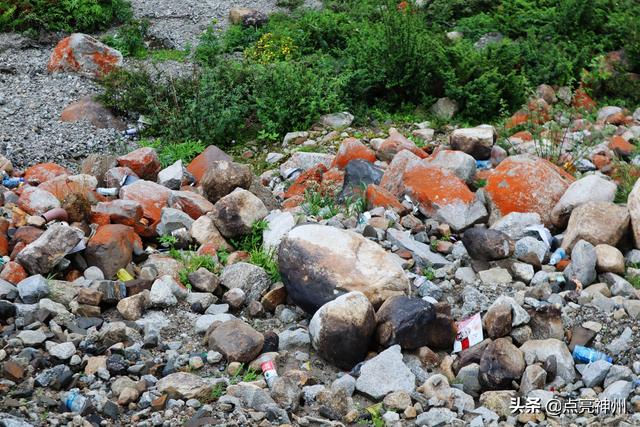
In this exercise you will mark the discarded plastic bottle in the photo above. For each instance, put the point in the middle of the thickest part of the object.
(75, 402)
(268, 367)
(483, 164)
(587, 355)
(12, 182)
(557, 255)
(113, 191)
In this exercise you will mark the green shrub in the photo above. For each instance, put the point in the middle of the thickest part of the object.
(69, 16)
(171, 153)
(129, 39)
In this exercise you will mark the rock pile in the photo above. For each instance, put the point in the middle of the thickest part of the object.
(136, 294)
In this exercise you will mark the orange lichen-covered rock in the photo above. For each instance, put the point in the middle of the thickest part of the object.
(442, 195)
(43, 172)
(392, 177)
(582, 100)
(127, 212)
(151, 196)
(292, 202)
(526, 183)
(333, 178)
(379, 197)
(201, 164)
(311, 177)
(191, 203)
(621, 146)
(523, 136)
(83, 54)
(143, 161)
(519, 118)
(61, 187)
(350, 149)
(395, 143)
(36, 201)
(13, 273)
(112, 248)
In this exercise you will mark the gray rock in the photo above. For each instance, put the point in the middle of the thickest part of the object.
(475, 141)
(515, 224)
(251, 279)
(436, 417)
(93, 273)
(621, 343)
(171, 176)
(31, 338)
(590, 188)
(33, 288)
(44, 253)
(346, 383)
(465, 275)
(619, 390)
(63, 351)
(618, 285)
(461, 164)
(594, 373)
(279, 224)
(541, 350)
(235, 213)
(522, 271)
(337, 120)
(495, 276)
(519, 315)
(172, 220)
(206, 320)
(531, 250)
(486, 244)
(618, 373)
(468, 376)
(305, 161)
(583, 263)
(163, 292)
(384, 374)
(289, 339)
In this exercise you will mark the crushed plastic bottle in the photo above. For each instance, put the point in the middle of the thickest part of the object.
(557, 255)
(584, 354)
(75, 402)
(268, 367)
(483, 164)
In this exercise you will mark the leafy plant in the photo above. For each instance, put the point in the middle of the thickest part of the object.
(429, 273)
(290, 4)
(69, 16)
(626, 176)
(191, 262)
(167, 240)
(169, 153)
(258, 255)
(169, 55)
(129, 39)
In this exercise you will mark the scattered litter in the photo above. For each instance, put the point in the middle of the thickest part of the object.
(469, 333)
(587, 355)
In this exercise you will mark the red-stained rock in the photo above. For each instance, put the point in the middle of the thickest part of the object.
(519, 118)
(526, 184)
(395, 143)
(619, 119)
(13, 273)
(621, 146)
(200, 165)
(392, 177)
(61, 187)
(43, 172)
(36, 201)
(26, 235)
(582, 100)
(522, 136)
(333, 178)
(143, 161)
(191, 203)
(112, 248)
(86, 109)
(99, 218)
(17, 248)
(600, 161)
(151, 196)
(292, 202)
(311, 177)
(85, 55)
(210, 248)
(379, 197)
(442, 195)
(350, 149)
(126, 212)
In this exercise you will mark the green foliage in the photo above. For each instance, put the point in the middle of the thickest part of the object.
(258, 255)
(129, 39)
(169, 55)
(290, 4)
(191, 262)
(167, 240)
(69, 16)
(626, 174)
(373, 57)
(429, 273)
(171, 153)
(217, 391)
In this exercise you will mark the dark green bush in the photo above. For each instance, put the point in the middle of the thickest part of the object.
(129, 39)
(62, 15)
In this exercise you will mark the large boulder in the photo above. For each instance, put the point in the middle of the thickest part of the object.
(458, 162)
(86, 109)
(143, 161)
(591, 188)
(526, 184)
(83, 54)
(36, 201)
(405, 321)
(476, 141)
(341, 330)
(392, 178)
(440, 194)
(112, 248)
(235, 213)
(44, 253)
(202, 163)
(318, 263)
(251, 279)
(597, 223)
(223, 177)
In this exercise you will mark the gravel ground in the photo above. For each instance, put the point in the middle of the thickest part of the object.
(31, 99)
